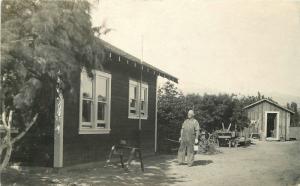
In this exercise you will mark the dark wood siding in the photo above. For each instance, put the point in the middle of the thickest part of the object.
(79, 148)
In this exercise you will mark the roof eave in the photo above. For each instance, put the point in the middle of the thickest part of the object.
(116, 51)
(262, 100)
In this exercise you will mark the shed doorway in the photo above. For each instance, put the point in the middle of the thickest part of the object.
(272, 126)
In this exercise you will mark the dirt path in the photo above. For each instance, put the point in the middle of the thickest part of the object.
(266, 163)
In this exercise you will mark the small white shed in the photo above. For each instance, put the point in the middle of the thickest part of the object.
(269, 119)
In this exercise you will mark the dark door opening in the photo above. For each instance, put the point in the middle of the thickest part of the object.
(272, 125)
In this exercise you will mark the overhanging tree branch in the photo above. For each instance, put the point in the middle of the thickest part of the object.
(4, 120)
(7, 143)
(25, 131)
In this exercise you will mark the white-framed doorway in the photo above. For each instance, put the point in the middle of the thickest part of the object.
(271, 124)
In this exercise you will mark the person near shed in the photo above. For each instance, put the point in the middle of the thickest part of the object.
(188, 137)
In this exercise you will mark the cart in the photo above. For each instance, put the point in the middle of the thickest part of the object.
(227, 137)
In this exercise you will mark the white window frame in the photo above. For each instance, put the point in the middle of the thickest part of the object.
(94, 121)
(277, 127)
(138, 105)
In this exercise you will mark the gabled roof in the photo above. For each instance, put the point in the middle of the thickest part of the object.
(271, 102)
(112, 49)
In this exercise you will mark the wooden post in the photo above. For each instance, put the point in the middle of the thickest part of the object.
(228, 127)
(58, 130)
(155, 132)
(140, 99)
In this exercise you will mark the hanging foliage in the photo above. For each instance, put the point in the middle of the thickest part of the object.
(42, 42)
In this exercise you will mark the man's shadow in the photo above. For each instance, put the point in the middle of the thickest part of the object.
(202, 162)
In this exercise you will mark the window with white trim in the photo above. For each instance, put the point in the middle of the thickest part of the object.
(95, 103)
(138, 100)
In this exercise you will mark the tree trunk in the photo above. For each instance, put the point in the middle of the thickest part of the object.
(7, 142)
(6, 157)
(17, 138)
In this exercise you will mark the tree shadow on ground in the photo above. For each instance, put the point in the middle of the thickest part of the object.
(155, 173)
(202, 162)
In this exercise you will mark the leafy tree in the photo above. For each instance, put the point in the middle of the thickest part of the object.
(288, 106)
(259, 96)
(171, 113)
(213, 110)
(210, 110)
(295, 118)
(239, 117)
(43, 43)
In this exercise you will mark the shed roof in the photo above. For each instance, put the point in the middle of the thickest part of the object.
(271, 102)
(110, 48)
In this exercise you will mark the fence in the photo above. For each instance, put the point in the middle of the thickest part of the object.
(295, 133)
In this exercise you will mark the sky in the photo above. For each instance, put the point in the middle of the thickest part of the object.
(213, 46)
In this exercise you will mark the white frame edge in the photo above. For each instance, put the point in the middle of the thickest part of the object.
(58, 132)
(95, 130)
(277, 127)
(144, 85)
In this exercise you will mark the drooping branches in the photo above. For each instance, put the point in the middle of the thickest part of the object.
(42, 41)
(7, 141)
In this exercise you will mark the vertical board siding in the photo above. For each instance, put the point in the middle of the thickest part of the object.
(288, 125)
(80, 148)
(257, 112)
(295, 133)
(261, 116)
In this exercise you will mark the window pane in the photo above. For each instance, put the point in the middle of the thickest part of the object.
(143, 94)
(101, 125)
(86, 110)
(101, 111)
(143, 100)
(87, 86)
(86, 126)
(133, 103)
(146, 93)
(132, 111)
(142, 105)
(133, 98)
(133, 92)
(101, 88)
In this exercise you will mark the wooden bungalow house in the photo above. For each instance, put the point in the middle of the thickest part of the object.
(268, 119)
(105, 110)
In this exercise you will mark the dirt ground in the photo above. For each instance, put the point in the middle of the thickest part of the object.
(263, 163)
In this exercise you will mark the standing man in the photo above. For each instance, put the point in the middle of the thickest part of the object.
(188, 137)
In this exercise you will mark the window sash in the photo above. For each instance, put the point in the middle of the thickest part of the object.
(86, 87)
(87, 123)
(133, 97)
(135, 104)
(102, 124)
(144, 99)
(104, 114)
